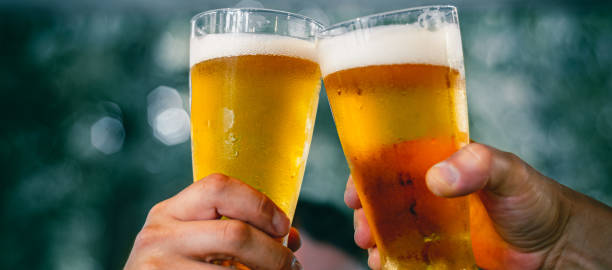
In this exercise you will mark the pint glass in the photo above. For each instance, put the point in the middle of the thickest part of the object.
(396, 86)
(254, 83)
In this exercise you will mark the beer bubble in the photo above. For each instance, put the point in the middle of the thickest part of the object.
(412, 208)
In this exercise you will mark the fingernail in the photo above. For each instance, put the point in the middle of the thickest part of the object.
(280, 222)
(445, 173)
(295, 264)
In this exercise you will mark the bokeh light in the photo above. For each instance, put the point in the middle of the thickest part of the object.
(249, 4)
(172, 126)
(167, 116)
(107, 135)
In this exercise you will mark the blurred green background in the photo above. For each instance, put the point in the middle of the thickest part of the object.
(95, 131)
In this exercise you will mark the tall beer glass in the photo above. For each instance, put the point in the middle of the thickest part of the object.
(255, 85)
(396, 86)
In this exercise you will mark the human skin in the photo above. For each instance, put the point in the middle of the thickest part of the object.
(524, 219)
(187, 232)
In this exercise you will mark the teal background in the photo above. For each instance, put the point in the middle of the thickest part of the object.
(94, 96)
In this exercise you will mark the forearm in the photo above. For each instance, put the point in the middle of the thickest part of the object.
(587, 240)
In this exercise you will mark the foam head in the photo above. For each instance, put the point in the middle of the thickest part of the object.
(392, 44)
(234, 44)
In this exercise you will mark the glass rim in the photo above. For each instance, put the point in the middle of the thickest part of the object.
(255, 10)
(383, 14)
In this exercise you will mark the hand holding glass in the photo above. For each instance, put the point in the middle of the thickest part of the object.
(254, 92)
(396, 86)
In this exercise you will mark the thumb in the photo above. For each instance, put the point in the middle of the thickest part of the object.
(525, 207)
(475, 167)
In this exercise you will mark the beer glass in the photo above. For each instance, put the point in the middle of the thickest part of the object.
(254, 83)
(396, 85)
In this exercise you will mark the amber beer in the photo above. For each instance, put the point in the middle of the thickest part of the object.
(397, 93)
(253, 99)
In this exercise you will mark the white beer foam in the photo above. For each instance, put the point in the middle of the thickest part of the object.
(234, 44)
(392, 44)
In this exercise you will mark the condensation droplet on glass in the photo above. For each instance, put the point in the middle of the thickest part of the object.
(228, 119)
(230, 142)
(231, 138)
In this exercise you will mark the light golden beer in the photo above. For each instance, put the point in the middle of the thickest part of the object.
(252, 115)
(254, 83)
(399, 104)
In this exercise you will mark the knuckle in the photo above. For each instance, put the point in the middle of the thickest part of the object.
(235, 234)
(480, 151)
(150, 235)
(156, 213)
(515, 161)
(265, 207)
(217, 177)
(157, 209)
(477, 146)
(214, 183)
(517, 166)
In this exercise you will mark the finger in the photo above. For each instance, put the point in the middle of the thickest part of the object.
(188, 263)
(477, 166)
(294, 242)
(154, 261)
(350, 195)
(211, 240)
(363, 234)
(219, 195)
(374, 258)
